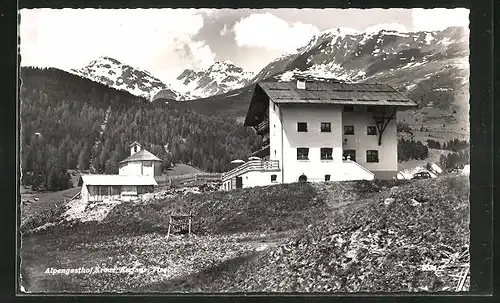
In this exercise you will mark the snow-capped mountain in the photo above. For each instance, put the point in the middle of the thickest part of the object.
(115, 74)
(354, 56)
(219, 78)
(431, 67)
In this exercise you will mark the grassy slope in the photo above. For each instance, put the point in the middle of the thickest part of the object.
(135, 234)
(48, 202)
(375, 247)
(276, 208)
(434, 155)
(181, 169)
(229, 226)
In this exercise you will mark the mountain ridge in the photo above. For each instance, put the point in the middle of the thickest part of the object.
(113, 73)
(218, 78)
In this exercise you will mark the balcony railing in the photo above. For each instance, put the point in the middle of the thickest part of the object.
(263, 127)
(180, 179)
(262, 152)
(254, 165)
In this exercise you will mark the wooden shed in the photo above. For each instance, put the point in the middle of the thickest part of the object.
(115, 187)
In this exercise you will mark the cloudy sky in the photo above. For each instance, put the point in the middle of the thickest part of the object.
(167, 41)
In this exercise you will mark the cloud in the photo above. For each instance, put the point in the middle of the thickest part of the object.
(272, 33)
(386, 26)
(145, 38)
(199, 55)
(439, 18)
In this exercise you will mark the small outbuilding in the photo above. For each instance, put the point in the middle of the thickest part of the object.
(97, 188)
(140, 162)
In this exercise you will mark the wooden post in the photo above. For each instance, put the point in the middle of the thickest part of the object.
(189, 227)
(382, 122)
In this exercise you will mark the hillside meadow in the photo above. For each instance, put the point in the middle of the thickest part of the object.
(322, 237)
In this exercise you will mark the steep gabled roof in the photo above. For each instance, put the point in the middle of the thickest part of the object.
(142, 155)
(118, 180)
(322, 92)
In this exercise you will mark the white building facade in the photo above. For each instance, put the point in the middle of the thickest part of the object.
(136, 177)
(321, 132)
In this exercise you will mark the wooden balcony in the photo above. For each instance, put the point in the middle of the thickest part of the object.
(263, 127)
(254, 165)
(263, 151)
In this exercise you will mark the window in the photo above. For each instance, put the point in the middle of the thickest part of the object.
(302, 126)
(371, 130)
(302, 153)
(326, 127)
(370, 109)
(327, 177)
(274, 178)
(326, 153)
(348, 129)
(349, 154)
(135, 148)
(348, 108)
(372, 156)
(148, 163)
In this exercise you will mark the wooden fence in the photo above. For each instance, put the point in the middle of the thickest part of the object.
(165, 181)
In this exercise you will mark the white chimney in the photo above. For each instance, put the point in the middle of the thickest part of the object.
(301, 84)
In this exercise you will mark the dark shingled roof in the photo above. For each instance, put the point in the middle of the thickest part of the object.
(335, 93)
(320, 92)
(142, 155)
